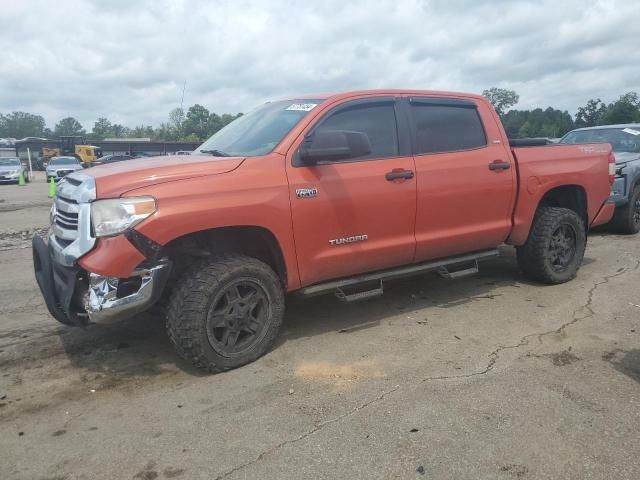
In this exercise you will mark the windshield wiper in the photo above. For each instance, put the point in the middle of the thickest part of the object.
(216, 153)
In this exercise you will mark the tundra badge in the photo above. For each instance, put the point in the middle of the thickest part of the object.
(353, 239)
(306, 192)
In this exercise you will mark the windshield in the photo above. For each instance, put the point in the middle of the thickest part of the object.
(259, 131)
(9, 162)
(621, 139)
(63, 161)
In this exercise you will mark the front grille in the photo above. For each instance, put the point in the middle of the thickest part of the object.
(70, 236)
(65, 221)
(62, 173)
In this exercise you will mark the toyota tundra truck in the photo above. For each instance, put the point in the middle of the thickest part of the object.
(314, 194)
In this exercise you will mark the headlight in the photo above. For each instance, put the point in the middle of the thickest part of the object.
(111, 217)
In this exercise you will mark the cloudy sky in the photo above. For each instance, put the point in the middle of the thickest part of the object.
(128, 59)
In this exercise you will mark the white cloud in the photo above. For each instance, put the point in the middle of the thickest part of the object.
(127, 60)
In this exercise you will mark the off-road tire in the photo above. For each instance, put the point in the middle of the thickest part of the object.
(192, 299)
(534, 257)
(625, 220)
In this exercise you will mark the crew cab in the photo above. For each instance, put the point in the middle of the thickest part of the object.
(314, 194)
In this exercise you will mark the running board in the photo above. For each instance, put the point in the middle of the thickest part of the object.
(463, 272)
(356, 296)
(406, 271)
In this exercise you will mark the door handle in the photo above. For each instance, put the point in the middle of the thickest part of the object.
(499, 165)
(399, 175)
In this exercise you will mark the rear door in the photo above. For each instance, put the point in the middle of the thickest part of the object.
(465, 177)
(358, 214)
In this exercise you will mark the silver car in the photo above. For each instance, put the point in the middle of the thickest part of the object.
(59, 167)
(10, 170)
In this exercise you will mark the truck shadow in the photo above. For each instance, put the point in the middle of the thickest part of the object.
(315, 316)
(139, 347)
(134, 348)
(625, 362)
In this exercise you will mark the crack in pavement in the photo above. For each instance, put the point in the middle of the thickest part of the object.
(308, 433)
(524, 341)
(587, 312)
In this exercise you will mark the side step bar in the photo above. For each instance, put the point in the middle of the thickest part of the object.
(442, 266)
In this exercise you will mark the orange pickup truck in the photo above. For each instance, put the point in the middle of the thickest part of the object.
(315, 194)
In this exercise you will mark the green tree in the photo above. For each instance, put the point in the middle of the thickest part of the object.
(143, 131)
(165, 132)
(197, 122)
(624, 110)
(591, 114)
(501, 99)
(21, 124)
(120, 131)
(537, 123)
(102, 129)
(68, 126)
(176, 122)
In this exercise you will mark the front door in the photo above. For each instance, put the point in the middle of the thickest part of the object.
(354, 215)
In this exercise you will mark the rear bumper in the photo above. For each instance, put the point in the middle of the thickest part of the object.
(74, 296)
(605, 214)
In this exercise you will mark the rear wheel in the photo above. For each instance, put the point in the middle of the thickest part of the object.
(555, 247)
(225, 312)
(627, 218)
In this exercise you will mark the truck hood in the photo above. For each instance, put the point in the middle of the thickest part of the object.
(114, 179)
(624, 157)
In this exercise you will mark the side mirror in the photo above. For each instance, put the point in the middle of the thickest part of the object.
(331, 145)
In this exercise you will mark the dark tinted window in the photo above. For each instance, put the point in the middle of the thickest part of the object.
(447, 128)
(377, 121)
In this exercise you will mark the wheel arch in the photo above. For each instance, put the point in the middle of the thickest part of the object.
(251, 240)
(571, 196)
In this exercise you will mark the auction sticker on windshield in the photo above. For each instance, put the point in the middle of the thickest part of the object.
(302, 107)
(631, 131)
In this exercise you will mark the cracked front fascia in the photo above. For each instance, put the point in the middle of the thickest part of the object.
(493, 359)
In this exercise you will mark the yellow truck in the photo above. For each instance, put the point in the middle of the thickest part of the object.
(74, 146)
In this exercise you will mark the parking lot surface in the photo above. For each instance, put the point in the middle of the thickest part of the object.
(486, 377)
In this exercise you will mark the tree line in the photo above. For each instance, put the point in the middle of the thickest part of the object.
(194, 125)
(555, 123)
(198, 123)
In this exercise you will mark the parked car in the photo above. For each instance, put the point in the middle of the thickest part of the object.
(183, 152)
(141, 154)
(111, 159)
(314, 195)
(10, 170)
(58, 167)
(625, 141)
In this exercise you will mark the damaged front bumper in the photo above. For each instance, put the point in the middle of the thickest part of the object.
(74, 296)
(111, 299)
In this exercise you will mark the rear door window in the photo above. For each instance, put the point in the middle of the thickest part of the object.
(445, 127)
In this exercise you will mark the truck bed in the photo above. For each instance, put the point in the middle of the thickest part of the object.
(543, 168)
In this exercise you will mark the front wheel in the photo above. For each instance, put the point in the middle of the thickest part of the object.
(555, 247)
(226, 312)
